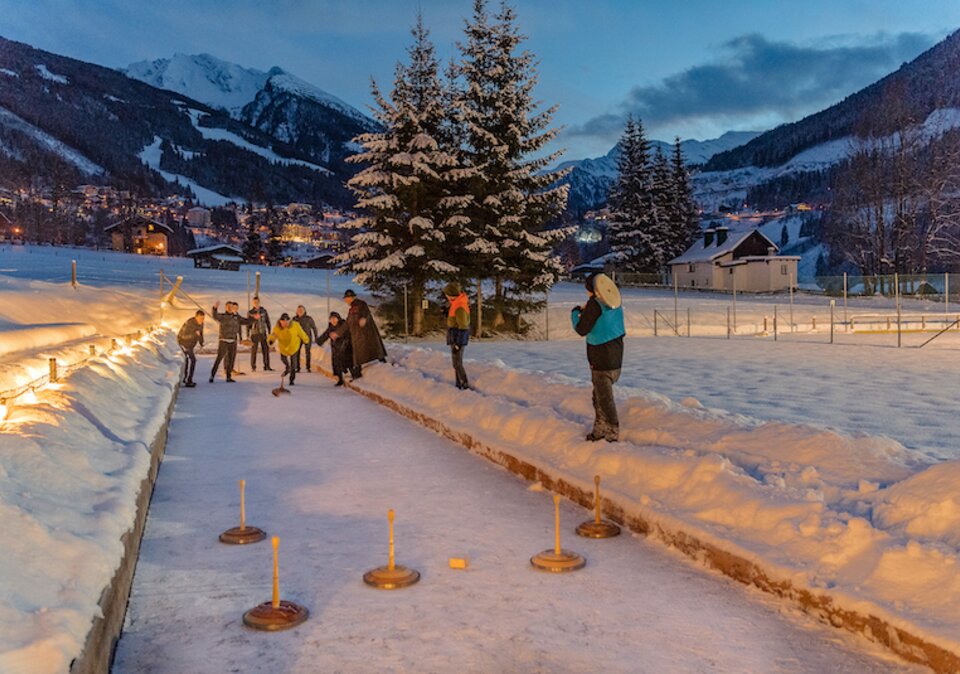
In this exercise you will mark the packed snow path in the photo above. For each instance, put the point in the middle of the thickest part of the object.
(322, 467)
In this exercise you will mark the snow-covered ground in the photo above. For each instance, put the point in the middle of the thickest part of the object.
(833, 466)
(324, 488)
(72, 458)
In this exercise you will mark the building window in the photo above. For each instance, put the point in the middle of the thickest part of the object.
(693, 283)
(691, 267)
(783, 270)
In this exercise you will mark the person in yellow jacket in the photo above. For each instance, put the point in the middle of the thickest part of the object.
(458, 329)
(288, 335)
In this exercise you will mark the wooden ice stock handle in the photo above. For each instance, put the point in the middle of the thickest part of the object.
(276, 572)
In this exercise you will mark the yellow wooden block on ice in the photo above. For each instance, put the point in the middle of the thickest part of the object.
(459, 563)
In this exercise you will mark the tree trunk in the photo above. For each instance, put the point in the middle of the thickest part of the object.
(498, 303)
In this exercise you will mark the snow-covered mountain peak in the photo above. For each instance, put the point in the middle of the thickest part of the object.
(203, 77)
(280, 80)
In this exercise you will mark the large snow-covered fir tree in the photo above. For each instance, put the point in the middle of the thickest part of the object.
(503, 129)
(409, 188)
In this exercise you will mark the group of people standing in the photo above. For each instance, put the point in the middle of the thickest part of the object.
(355, 341)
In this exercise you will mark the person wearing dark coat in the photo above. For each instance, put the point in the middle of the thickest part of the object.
(603, 327)
(258, 330)
(341, 354)
(230, 322)
(310, 327)
(191, 334)
(365, 340)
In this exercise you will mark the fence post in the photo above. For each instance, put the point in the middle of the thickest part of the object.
(833, 303)
(845, 320)
(546, 303)
(676, 313)
(734, 298)
(774, 322)
(406, 320)
(654, 322)
(113, 344)
(256, 287)
(688, 321)
(791, 302)
(946, 294)
(53, 371)
(728, 322)
(73, 274)
(896, 283)
(93, 350)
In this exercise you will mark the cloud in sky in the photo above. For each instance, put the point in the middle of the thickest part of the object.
(758, 81)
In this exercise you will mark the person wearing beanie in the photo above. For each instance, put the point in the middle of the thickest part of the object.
(458, 329)
(230, 324)
(341, 355)
(603, 327)
(259, 328)
(289, 336)
(365, 341)
(310, 327)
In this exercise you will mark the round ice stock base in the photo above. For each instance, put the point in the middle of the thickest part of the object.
(385, 578)
(601, 529)
(270, 619)
(550, 560)
(238, 536)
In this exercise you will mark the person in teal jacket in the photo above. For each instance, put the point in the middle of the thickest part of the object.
(603, 327)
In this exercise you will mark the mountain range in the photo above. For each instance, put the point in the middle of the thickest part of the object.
(188, 123)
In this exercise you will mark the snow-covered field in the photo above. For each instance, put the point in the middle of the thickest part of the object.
(833, 466)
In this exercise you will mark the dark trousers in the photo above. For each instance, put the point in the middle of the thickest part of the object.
(289, 364)
(259, 341)
(227, 352)
(191, 363)
(305, 348)
(607, 423)
(456, 355)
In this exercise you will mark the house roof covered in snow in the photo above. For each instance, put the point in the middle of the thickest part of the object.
(221, 248)
(137, 221)
(706, 248)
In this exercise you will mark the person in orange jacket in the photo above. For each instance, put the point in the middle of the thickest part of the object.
(458, 329)
(289, 336)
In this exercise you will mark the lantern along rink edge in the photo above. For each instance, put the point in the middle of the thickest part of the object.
(243, 534)
(391, 576)
(557, 560)
(277, 614)
(597, 528)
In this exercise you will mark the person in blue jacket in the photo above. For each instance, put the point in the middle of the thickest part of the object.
(604, 330)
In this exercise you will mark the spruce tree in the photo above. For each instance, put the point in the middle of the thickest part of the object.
(631, 221)
(686, 216)
(503, 129)
(663, 226)
(410, 187)
(253, 244)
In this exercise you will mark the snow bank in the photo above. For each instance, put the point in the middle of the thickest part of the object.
(72, 459)
(856, 527)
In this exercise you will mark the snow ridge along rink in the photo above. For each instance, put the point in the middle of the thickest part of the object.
(857, 530)
(323, 465)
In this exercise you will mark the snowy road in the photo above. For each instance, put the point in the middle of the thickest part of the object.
(323, 466)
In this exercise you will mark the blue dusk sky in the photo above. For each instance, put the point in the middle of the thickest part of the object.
(693, 68)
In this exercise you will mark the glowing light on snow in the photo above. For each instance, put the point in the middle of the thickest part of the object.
(29, 398)
(4, 410)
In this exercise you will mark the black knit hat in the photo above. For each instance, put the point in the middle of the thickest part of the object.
(284, 317)
(349, 293)
(589, 282)
(334, 314)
